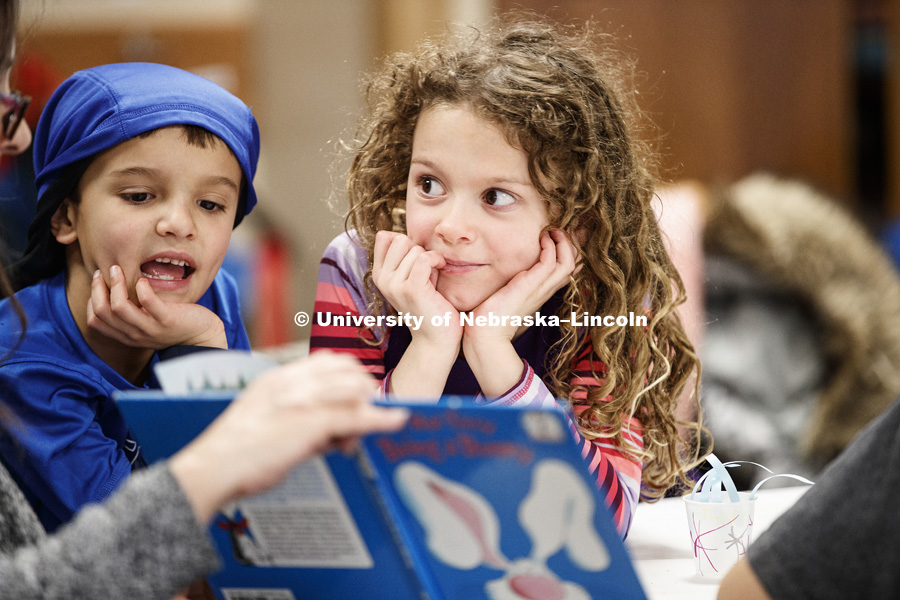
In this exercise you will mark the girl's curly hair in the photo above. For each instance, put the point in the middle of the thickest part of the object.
(559, 94)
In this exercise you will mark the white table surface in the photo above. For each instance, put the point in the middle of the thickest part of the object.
(660, 544)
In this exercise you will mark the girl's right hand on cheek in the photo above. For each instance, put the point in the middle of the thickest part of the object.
(406, 274)
(156, 323)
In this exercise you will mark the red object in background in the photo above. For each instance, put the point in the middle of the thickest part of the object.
(34, 76)
(273, 319)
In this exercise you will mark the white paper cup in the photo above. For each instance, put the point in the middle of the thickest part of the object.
(720, 533)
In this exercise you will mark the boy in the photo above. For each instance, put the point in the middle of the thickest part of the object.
(142, 171)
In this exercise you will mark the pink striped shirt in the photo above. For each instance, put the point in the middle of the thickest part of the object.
(340, 291)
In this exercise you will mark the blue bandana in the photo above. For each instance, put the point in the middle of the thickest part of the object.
(98, 108)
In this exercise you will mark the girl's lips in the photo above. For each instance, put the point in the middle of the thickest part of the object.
(455, 266)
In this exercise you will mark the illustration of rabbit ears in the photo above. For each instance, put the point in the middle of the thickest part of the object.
(558, 513)
(462, 528)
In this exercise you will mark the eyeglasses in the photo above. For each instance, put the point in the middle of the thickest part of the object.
(14, 106)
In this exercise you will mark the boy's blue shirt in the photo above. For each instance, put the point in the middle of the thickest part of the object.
(70, 447)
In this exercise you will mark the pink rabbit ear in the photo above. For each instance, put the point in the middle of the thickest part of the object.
(469, 516)
(537, 587)
(461, 527)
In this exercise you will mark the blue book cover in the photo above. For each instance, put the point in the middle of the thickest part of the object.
(466, 502)
(497, 504)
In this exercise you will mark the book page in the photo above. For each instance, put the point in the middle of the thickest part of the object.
(304, 522)
(210, 370)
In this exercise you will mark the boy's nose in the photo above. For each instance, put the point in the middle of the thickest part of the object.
(456, 224)
(176, 219)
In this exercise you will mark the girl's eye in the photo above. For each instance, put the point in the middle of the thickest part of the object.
(137, 197)
(210, 206)
(430, 186)
(499, 198)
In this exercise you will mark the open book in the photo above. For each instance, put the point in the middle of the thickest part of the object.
(467, 502)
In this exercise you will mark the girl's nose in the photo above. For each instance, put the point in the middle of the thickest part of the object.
(456, 224)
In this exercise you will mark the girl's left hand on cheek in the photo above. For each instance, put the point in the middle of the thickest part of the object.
(525, 293)
(156, 323)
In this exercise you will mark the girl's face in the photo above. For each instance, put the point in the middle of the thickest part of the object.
(470, 199)
(158, 207)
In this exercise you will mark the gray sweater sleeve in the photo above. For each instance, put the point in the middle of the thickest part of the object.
(840, 539)
(143, 543)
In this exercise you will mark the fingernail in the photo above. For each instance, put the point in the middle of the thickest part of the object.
(114, 270)
(96, 274)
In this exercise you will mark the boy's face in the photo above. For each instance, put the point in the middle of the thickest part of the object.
(159, 208)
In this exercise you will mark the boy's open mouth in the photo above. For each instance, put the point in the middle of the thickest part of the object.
(166, 269)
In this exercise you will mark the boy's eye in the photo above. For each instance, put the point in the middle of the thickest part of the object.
(210, 206)
(137, 197)
(499, 198)
(430, 186)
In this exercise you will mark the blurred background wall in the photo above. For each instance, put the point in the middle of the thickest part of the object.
(802, 88)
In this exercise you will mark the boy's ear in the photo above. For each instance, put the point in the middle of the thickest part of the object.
(62, 223)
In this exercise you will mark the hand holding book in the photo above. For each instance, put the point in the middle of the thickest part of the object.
(283, 417)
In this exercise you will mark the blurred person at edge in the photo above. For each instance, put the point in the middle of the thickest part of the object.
(149, 540)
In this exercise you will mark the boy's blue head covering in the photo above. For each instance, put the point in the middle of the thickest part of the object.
(98, 108)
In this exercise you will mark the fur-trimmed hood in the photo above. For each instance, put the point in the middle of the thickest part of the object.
(804, 242)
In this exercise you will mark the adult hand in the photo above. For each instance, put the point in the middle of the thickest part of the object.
(199, 590)
(283, 417)
(156, 323)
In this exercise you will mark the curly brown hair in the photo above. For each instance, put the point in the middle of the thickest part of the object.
(558, 93)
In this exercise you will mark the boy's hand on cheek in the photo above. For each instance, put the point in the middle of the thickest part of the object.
(155, 323)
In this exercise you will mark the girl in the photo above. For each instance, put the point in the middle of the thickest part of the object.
(499, 175)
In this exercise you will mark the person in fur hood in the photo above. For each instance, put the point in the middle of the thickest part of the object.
(801, 345)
